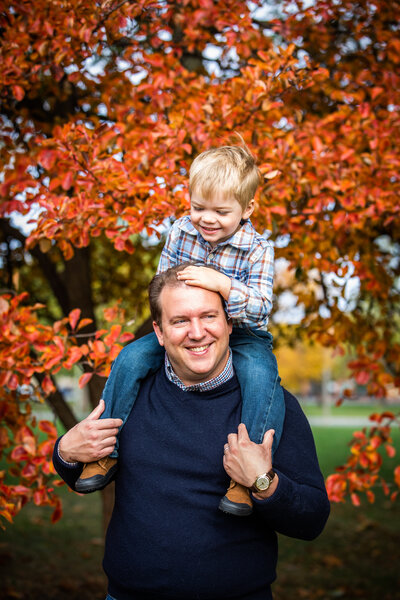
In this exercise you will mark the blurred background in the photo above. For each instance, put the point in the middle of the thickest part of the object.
(103, 106)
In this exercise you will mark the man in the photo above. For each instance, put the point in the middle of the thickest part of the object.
(167, 539)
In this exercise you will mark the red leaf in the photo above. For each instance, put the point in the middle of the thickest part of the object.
(84, 379)
(390, 450)
(49, 428)
(47, 385)
(67, 180)
(18, 92)
(57, 514)
(126, 337)
(73, 317)
(83, 323)
(19, 453)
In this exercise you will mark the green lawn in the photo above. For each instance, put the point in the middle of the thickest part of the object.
(356, 557)
(349, 409)
(358, 554)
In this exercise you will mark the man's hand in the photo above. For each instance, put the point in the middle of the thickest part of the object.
(91, 439)
(244, 460)
(206, 278)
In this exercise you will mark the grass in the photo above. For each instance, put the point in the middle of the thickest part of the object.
(351, 409)
(356, 557)
(358, 554)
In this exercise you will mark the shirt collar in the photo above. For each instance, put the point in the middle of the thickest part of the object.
(203, 386)
(242, 239)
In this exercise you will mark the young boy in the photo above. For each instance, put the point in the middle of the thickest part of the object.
(217, 233)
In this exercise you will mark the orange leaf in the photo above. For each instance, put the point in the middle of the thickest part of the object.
(49, 428)
(83, 323)
(390, 450)
(84, 379)
(73, 317)
(18, 92)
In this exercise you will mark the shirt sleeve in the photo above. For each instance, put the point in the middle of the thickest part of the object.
(251, 301)
(168, 256)
(299, 507)
(69, 472)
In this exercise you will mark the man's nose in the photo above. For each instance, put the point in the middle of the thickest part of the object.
(196, 329)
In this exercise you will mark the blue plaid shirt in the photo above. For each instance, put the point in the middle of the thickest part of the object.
(246, 258)
(226, 374)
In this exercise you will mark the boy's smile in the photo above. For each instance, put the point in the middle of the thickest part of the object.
(218, 218)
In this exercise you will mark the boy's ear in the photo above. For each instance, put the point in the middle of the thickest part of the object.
(249, 209)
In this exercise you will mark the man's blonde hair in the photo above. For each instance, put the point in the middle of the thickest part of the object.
(228, 170)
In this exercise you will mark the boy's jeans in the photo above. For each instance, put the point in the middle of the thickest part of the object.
(255, 365)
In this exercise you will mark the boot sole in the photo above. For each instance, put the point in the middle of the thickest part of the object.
(235, 508)
(95, 483)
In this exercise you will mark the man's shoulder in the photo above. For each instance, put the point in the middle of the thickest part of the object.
(294, 414)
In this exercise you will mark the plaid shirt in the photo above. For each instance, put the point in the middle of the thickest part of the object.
(203, 386)
(246, 258)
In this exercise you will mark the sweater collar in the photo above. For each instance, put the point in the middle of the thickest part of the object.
(203, 386)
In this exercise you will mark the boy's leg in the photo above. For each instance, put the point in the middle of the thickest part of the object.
(132, 365)
(263, 405)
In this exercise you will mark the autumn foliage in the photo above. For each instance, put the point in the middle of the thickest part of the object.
(103, 107)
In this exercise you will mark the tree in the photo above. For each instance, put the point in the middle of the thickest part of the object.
(103, 107)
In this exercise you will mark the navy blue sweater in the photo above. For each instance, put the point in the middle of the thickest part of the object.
(167, 538)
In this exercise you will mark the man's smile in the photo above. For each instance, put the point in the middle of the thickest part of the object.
(199, 349)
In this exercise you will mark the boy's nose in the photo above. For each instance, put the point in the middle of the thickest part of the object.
(208, 217)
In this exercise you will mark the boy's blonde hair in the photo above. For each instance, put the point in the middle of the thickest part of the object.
(228, 170)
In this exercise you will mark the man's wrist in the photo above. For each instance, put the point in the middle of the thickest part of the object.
(63, 457)
(269, 492)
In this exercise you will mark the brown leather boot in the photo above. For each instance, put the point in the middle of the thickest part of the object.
(237, 500)
(96, 475)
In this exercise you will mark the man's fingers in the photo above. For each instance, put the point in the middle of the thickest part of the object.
(268, 437)
(108, 442)
(242, 433)
(232, 439)
(109, 423)
(96, 412)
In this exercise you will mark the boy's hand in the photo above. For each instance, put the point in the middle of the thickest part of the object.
(206, 278)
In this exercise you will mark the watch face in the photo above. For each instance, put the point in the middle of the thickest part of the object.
(262, 483)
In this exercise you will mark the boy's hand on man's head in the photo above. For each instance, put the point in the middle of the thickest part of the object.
(206, 278)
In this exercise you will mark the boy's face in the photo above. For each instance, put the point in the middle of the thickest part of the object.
(219, 218)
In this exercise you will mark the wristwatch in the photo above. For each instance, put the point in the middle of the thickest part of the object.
(263, 481)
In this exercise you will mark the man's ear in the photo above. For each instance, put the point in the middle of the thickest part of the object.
(230, 326)
(159, 334)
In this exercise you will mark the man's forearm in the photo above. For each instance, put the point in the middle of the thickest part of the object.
(296, 510)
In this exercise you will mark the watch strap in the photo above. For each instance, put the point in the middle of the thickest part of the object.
(270, 474)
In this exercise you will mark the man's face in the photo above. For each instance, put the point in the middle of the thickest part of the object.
(194, 332)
